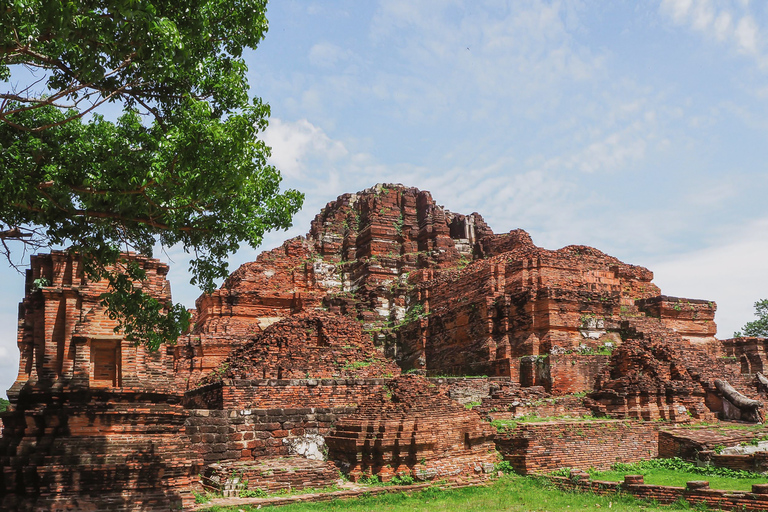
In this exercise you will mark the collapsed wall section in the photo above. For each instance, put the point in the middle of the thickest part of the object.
(539, 316)
(656, 374)
(410, 427)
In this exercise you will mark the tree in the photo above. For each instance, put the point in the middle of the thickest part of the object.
(181, 164)
(757, 327)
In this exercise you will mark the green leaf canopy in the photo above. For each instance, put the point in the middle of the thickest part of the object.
(182, 164)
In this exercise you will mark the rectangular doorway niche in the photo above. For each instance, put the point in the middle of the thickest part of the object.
(105, 363)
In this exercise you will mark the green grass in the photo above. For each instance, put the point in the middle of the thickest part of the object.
(676, 472)
(510, 493)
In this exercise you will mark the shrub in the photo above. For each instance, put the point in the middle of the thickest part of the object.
(370, 479)
(252, 493)
(678, 464)
(402, 479)
(504, 466)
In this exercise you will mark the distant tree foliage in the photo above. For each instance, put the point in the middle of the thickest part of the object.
(4, 403)
(757, 327)
(181, 164)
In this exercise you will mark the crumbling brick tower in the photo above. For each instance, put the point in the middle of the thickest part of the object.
(440, 293)
(95, 422)
(354, 261)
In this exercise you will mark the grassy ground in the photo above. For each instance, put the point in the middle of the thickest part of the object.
(510, 493)
(676, 472)
(678, 479)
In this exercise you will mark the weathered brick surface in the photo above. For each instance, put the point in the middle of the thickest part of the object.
(509, 400)
(95, 423)
(270, 474)
(101, 449)
(293, 393)
(692, 319)
(61, 320)
(562, 373)
(313, 344)
(299, 392)
(523, 301)
(686, 443)
(755, 462)
(354, 261)
(748, 354)
(440, 293)
(467, 390)
(544, 447)
(412, 427)
(278, 284)
(247, 434)
(656, 374)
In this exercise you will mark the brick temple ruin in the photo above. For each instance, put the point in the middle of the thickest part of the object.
(382, 343)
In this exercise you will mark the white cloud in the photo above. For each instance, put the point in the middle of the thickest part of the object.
(612, 152)
(723, 26)
(747, 35)
(327, 55)
(702, 15)
(716, 20)
(678, 9)
(479, 59)
(293, 144)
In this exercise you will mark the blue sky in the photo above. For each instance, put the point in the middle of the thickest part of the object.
(638, 128)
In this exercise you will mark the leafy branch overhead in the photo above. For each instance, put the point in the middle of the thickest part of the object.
(180, 161)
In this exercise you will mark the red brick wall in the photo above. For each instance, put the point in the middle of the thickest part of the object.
(62, 321)
(756, 462)
(255, 433)
(95, 421)
(542, 447)
(270, 474)
(297, 393)
(411, 426)
(693, 319)
(750, 354)
(97, 450)
(697, 445)
(573, 373)
(292, 393)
